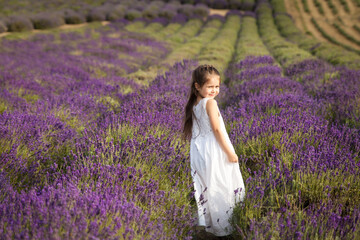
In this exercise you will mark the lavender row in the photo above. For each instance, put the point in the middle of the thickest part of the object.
(131, 158)
(79, 137)
(174, 40)
(336, 86)
(77, 11)
(300, 168)
(110, 11)
(293, 169)
(58, 93)
(285, 52)
(335, 55)
(220, 50)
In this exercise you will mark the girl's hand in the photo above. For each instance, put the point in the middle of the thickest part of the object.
(233, 158)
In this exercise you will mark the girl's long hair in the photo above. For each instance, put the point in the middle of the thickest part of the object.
(199, 76)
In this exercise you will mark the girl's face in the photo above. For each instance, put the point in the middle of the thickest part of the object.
(211, 88)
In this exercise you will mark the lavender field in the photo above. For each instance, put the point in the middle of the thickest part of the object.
(91, 123)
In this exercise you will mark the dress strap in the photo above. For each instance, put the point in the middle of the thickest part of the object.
(204, 101)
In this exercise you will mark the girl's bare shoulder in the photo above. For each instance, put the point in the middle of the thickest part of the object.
(211, 106)
(211, 102)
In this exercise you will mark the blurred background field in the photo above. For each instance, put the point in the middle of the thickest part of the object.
(91, 105)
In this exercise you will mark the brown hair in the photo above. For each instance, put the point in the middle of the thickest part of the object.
(199, 76)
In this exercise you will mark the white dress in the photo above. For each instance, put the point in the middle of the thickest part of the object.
(218, 183)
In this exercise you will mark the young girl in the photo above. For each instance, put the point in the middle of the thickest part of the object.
(217, 179)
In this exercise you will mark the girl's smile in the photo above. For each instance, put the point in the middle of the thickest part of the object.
(210, 89)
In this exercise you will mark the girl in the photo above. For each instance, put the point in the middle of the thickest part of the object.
(217, 179)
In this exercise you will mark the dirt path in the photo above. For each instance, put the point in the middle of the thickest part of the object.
(4, 34)
(221, 12)
(307, 20)
(347, 19)
(301, 18)
(353, 8)
(327, 27)
(327, 11)
(72, 26)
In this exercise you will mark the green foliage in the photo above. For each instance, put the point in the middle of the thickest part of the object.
(19, 24)
(152, 29)
(305, 5)
(194, 45)
(135, 26)
(285, 52)
(23, 7)
(116, 12)
(189, 30)
(144, 77)
(176, 36)
(248, 5)
(45, 21)
(220, 50)
(357, 2)
(279, 6)
(3, 106)
(167, 31)
(345, 5)
(249, 42)
(201, 10)
(90, 28)
(27, 95)
(319, 7)
(332, 6)
(72, 17)
(65, 116)
(132, 14)
(357, 28)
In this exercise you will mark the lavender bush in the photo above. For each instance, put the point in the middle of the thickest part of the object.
(169, 12)
(47, 20)
(132, 14)
(116, 12)
(19, 24)
(201, 10)
(72, 17)
(186, 9)
(294, 159)
(235, 4)
(97, 14)
(82, 135)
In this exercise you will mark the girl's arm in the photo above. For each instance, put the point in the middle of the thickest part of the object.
(212, 111)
